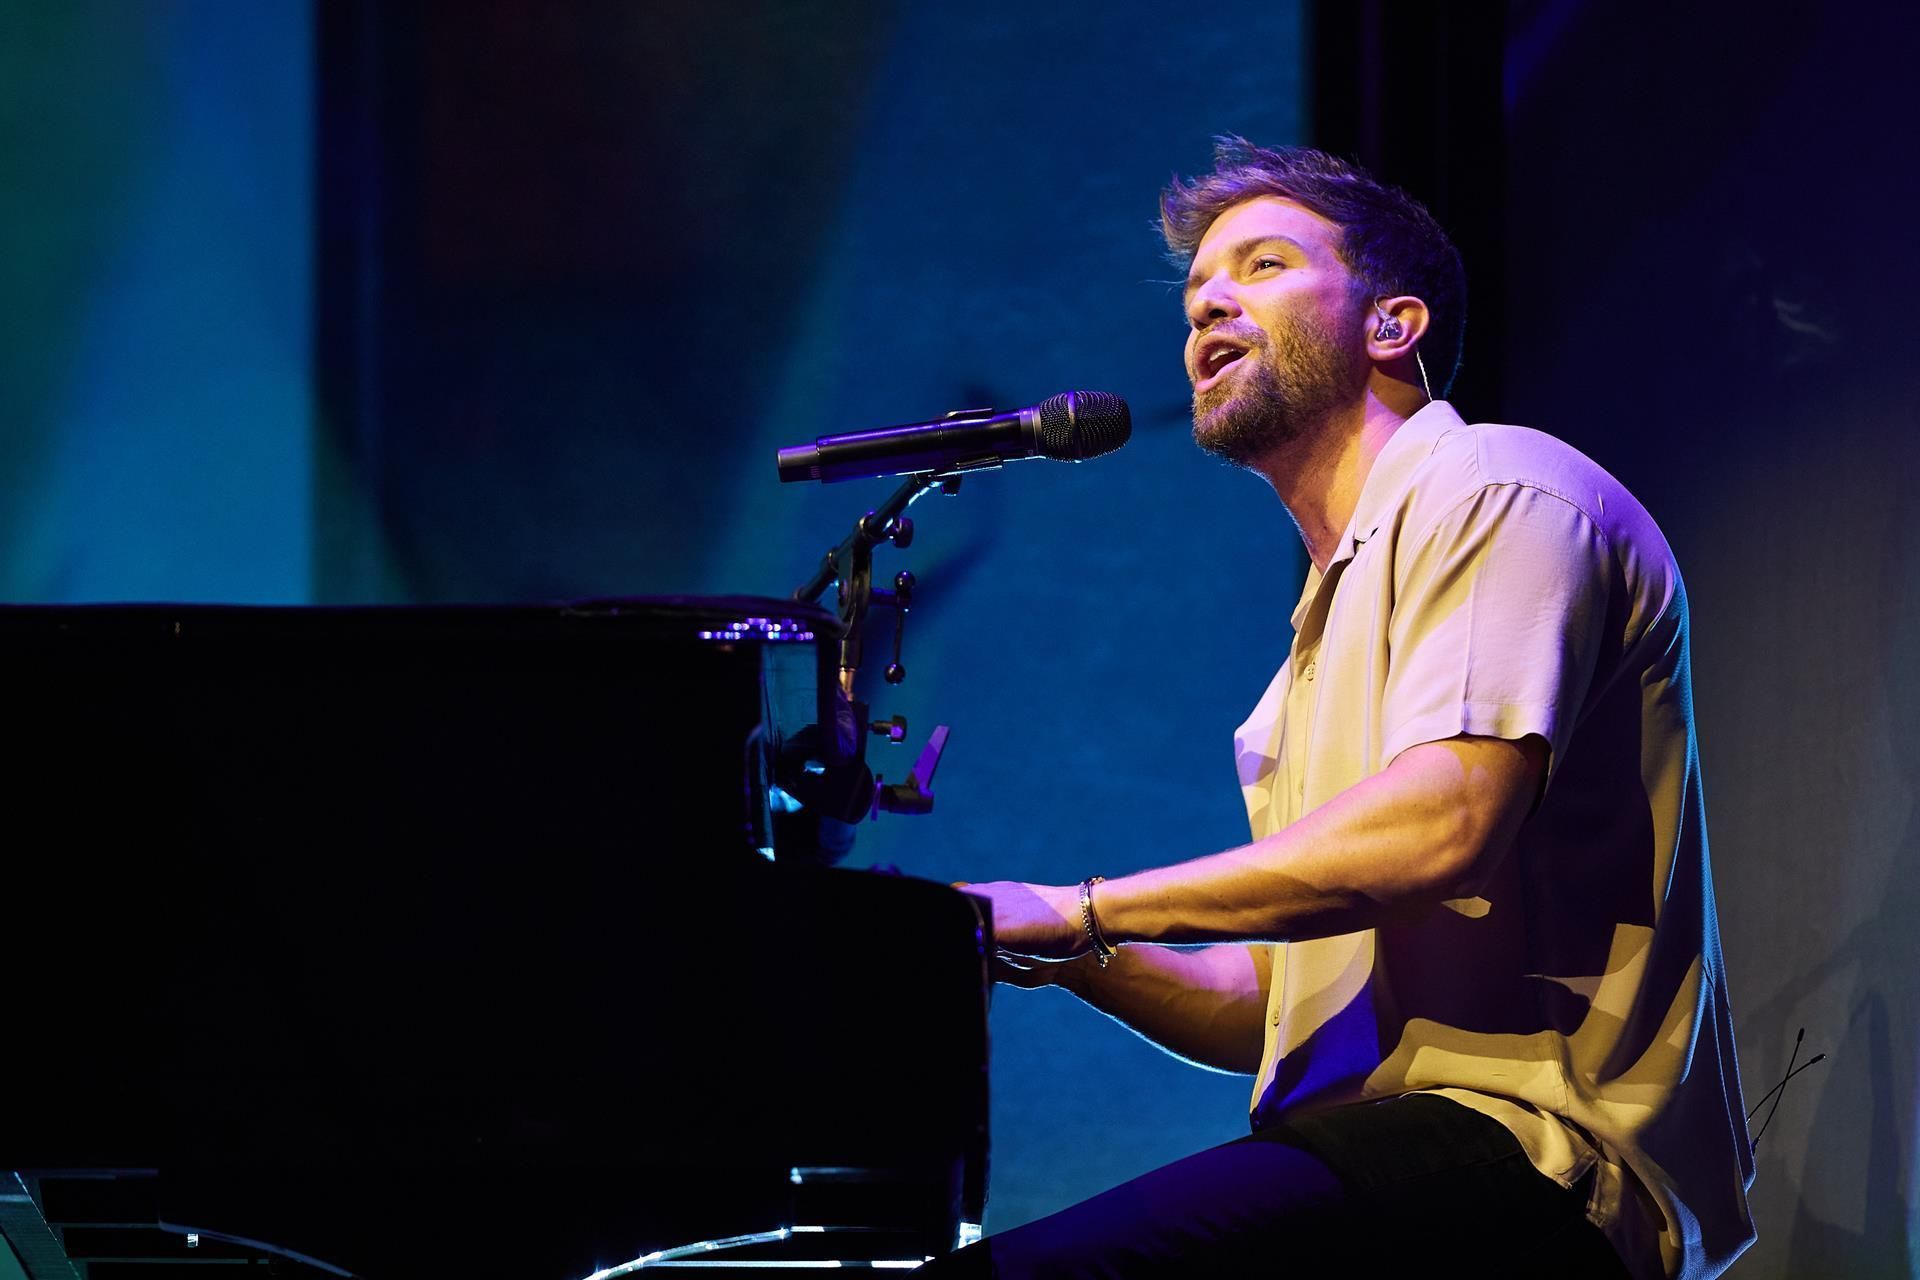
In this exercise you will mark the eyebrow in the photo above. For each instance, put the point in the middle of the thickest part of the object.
(1240, 249)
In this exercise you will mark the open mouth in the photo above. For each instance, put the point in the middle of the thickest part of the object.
(1214, 363)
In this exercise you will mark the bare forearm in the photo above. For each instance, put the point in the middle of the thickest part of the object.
(1205, 1006)
(1416, 834)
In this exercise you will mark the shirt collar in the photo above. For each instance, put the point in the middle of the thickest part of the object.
(1393, 470)
(1385, 484)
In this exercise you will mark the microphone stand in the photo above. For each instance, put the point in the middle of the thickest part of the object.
(851, 565)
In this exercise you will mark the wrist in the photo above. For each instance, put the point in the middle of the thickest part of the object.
(1090, 924)
(1075, 976)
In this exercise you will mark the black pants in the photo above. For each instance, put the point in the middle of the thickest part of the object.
(1411, 1185)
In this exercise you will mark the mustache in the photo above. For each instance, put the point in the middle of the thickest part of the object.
(1252, 336)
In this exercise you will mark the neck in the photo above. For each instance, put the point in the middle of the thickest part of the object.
(1319, 477)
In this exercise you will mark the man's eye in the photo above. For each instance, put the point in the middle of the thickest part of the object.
(1261, 264)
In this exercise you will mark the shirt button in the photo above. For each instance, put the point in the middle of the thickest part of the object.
(1308, 673)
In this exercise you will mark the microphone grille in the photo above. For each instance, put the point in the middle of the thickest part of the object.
(1077, 425)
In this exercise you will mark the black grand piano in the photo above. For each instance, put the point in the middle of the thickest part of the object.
(464, 942)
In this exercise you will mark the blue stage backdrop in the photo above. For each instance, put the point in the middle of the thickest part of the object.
(156, 385)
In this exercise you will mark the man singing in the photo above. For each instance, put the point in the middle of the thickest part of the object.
(1471, 957)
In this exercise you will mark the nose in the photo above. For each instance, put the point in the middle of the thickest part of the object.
(1212, 302)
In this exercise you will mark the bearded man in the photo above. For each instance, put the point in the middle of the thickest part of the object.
(1471, 957)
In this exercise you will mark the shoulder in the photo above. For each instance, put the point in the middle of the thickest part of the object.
(1476, 456)
(1470, 459)
(1494, 475)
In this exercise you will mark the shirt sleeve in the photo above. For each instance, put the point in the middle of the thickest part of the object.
(1498, 614)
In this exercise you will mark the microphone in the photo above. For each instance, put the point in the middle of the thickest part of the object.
(1070, 427)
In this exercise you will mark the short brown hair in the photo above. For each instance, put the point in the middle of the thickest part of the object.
(1388, 240)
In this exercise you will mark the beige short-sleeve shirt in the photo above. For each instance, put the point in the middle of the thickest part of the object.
(1496, 582)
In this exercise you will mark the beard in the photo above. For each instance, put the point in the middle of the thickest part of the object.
(1288, 387)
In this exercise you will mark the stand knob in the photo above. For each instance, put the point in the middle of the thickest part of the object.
(903, 584)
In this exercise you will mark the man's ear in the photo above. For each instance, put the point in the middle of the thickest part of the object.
(1395, 327)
